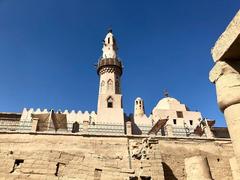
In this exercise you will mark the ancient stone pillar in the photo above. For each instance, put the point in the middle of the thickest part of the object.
(196, 168)
(234, 168)
(129, 128)
(226, 76)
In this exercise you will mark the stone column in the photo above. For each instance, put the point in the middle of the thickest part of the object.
(196, 168)
(34, 124)
(234, 168)
(225, 75)
(129, 128)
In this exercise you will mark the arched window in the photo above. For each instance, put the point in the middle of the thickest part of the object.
(110, 85)
(110, 102)
(117, 86)
(102, 86)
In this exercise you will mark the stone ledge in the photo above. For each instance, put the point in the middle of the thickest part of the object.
(225, 42)
(119, 136)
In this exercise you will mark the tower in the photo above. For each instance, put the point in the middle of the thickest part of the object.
(139, 107)
(109, 69)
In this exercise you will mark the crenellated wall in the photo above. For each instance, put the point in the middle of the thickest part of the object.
(73, 116)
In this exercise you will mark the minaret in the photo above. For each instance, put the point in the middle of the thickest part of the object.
(109, 69)
(139, 107)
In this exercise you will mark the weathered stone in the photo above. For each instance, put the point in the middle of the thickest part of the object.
(235, 168)
(77, 152)
(226, 75)
(197, 168)
(226, 41)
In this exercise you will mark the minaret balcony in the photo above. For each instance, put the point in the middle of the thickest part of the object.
(109, 62)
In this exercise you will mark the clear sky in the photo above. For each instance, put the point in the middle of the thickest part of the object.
(48, 49)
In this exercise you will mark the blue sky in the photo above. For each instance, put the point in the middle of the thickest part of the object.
(48, 49)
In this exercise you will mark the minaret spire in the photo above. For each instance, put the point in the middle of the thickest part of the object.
(109, 46)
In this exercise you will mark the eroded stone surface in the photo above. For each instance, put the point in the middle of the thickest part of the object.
(226, 41)
(79, 157)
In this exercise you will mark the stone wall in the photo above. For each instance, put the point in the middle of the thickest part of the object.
(48, 156)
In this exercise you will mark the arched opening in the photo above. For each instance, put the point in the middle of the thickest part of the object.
(110, 85)
(110, 102)
(75, 127)
(117, 86)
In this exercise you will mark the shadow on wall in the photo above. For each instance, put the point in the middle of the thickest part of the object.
(136, 129)
(168, 173)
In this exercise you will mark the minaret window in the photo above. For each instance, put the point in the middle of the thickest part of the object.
(110, 102)
(110, 84)
(117, 86)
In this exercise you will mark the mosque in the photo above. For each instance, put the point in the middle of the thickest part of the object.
(171, 143)
(168, 118)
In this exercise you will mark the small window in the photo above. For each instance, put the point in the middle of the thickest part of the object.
(110, 102)
(108, 40)
(191, 122)
(174, 121)
(179, 114)
(136, 102)
(110, 105)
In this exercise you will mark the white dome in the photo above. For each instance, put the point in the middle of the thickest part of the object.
(167, 103)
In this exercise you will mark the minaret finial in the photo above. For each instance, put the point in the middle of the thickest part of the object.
(110, 29)
(109, 46)
(165, 93)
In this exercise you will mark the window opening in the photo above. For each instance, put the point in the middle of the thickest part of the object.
(75, 127)
(174, 121)
(191, 122)
(179, 114)
(110, 102)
